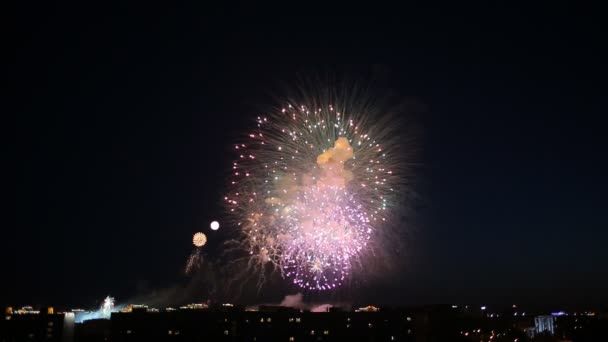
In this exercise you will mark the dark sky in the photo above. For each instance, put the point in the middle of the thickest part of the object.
(125, 114)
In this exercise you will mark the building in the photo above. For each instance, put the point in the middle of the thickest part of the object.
(202, 325)
(93, 330)
(530, 332)
(586, 326)
(27, 324)
(544, 324)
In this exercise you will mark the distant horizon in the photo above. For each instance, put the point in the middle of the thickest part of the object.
(472, 306)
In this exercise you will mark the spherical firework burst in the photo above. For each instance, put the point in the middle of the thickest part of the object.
(199, 239)
(311, 188)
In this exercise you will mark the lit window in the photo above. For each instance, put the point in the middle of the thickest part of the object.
(176, 332)
(261, 320)
(291, 319)
(312, 332)
(128, 332)
(348, 325)
(225, 332)
(409, 318)
(8, 318)
(326, 332)
(291, 338)
(50, 324)
(370, 325)
(269, 320)
(170, 332)
(298, 319)
(392, 338)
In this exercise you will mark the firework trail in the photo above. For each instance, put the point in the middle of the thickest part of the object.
(312, 188)
(195, 259)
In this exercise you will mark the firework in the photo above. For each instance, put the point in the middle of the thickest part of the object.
(105, 311)
(199, 239)
(311, 189)
(195, 259)
(107, 307)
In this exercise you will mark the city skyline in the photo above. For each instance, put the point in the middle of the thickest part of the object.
(195, 322)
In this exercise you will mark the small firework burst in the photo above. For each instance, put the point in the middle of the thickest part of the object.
(194, 260)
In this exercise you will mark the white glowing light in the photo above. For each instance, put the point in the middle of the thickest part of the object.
(215, 225)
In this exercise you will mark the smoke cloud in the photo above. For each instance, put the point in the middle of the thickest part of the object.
(296, 301)
(293, 301)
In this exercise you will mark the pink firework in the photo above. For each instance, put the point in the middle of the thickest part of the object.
(311, 189)
(327, 228)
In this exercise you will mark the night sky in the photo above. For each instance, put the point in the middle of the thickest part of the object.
(125, 116)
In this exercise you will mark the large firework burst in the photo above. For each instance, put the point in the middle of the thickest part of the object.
(313, 186)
